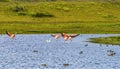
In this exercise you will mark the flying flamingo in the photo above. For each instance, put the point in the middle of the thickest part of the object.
(68, 37)
(10, 34)
(56, 36)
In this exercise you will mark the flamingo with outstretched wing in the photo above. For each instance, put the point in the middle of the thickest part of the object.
(68, 37)
(10, 34)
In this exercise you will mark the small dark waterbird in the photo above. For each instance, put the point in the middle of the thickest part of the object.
(111, 53)
(68, 37)
(81, 52)
(10, 34)
(86, 45)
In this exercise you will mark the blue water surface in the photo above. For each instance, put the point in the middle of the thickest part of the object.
(32, 51)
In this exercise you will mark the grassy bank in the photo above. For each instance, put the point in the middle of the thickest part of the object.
(107, 40)
(56, 17)
(88, 28)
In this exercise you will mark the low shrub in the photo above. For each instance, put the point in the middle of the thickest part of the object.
(40, 14)
(18, 9)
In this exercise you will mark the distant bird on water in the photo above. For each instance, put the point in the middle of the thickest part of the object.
(48, 40)
(86, 45)
(112, 53)
(68, 37)
(10, 34)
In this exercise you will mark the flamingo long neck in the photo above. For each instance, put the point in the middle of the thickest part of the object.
(64, 35)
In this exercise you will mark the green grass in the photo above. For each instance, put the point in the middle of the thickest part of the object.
(107, 40)
(60, 27)
(57, 17)
(63, 11)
